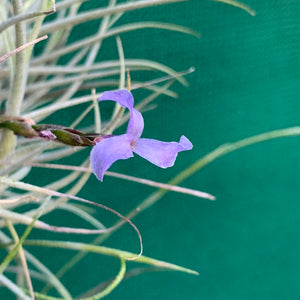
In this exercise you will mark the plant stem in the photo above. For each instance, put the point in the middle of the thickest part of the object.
(13, 105)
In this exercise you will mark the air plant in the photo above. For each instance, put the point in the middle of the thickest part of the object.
(35, 85)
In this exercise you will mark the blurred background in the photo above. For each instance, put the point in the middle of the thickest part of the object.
(245, 245)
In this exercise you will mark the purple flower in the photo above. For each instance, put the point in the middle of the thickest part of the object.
(108, 150)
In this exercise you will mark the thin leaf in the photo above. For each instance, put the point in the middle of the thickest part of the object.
(13, 287)
(16, 248)
(130, 178)
(25, 219)
(23, 17)
(21, 256)
(68, 3)
(50, 277)
(107, 251)
(97, 14)
(33, 188)
(113, 32)
(42, 112)
(240, 5)
(108, 289)
(21, 48)
(82, 214)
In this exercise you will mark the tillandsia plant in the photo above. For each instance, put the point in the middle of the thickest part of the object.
(59, 76)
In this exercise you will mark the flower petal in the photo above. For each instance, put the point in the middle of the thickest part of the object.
(123, 97)
(136, 124)
(105, 153)
(162, 154)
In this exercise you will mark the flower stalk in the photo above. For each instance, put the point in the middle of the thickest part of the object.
(25, 127)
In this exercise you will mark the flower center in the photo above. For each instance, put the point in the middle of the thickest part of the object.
(132, 146)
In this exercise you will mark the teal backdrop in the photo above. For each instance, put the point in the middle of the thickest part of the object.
(245, 245)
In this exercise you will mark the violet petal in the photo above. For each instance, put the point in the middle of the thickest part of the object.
(105, 153)
(123, 97)
(162, 154)
(136, 124)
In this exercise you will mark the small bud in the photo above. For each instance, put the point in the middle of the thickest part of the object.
(18, 125)
(70, 138)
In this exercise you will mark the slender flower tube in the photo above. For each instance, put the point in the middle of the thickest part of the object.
(111, 149)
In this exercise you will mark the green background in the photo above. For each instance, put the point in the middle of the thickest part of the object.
(246, 244)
